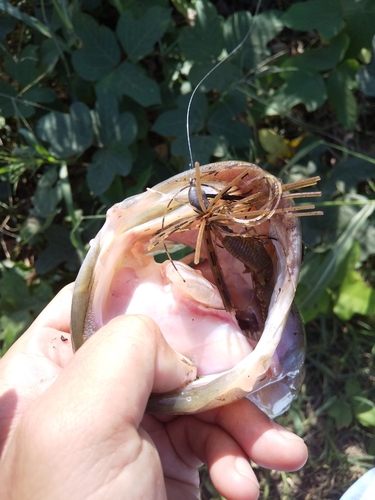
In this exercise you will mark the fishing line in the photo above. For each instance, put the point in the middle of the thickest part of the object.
(228, 56)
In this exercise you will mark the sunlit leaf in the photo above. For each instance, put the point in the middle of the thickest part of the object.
(208, 27)
(322, 58)
(255, 49)
(303, 87)
(67, 134)
(331, 262)
(275, 145)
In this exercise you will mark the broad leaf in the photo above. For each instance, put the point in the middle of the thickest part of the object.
(260, 30)
(366, 75)
(106, 164)
(40, 95)
(341, 412)
(223, 121)
(322, 58)
(359, 26)
(100, 53)
(59, 250)
(203, 148)
(220, 79)
(323, 15)
(113, 126)
(136, 7)
(68, 134)
(332, 261)
(47, 194)
(301, 87)
(31, 21)
(130, 80)
(341, 97)
(173, 123)
(138, 36)
(203, 42)
(23, 69)
(7, 25)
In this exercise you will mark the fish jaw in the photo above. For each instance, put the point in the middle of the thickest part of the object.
(123, 242)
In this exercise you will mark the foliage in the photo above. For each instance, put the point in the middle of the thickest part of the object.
(93, 108)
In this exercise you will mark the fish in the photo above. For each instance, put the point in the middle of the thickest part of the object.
(228, 303)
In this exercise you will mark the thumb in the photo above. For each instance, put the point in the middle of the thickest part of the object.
(123, 363)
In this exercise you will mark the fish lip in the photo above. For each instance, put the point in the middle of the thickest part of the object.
(221, 385)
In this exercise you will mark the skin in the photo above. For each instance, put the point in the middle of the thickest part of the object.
(73, 426)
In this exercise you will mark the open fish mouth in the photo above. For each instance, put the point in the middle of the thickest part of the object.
(228, 303)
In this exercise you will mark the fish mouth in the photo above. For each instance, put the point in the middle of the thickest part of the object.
(245, 298)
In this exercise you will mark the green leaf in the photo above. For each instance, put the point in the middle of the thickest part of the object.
(173, 123)
(352, 387)
(301, 87)
(11, 105)
(203, 43)
(129, 79)
(106, 163)
(100, 53)
(203, 147)
(47, 195)
(59, 250)
(14, 292)
(48, 56)
(332, 261)
(138, 36)
(7, 25)
(364, 410)
(221, 78)
(322, 58)
(359, 26)
(40, 95)
(31, 21)
(68, 134)
(341, 412)
(23, 68)
(366, 75)
(355, 297)
(341, 97)
(222, 121)
(111, 125)
(367, 418)
(12, 326)
(255, 49)
(136, 7)
(323, 15)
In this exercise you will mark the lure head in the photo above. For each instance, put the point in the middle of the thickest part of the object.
(229, 307)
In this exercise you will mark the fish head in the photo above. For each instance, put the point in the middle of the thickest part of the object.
(228, 303)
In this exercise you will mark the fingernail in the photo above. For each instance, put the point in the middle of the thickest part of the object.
(285, 433)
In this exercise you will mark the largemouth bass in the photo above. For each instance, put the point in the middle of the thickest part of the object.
(228, 303)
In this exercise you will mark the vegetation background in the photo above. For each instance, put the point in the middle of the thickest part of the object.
(93, 98)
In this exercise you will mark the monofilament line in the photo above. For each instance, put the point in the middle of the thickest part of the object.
(228, 56)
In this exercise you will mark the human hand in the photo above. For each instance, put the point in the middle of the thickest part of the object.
(73, 426)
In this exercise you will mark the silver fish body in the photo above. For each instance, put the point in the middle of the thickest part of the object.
(238, 202)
